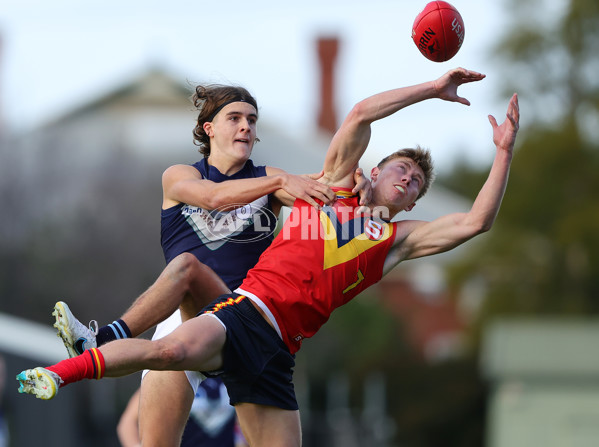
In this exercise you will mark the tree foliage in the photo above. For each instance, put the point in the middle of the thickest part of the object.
(542, 256)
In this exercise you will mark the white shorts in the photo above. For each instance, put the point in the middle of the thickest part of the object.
(162, 330)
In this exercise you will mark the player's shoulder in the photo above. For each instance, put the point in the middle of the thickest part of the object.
(404, 228)
(271, 170)
(180, 172)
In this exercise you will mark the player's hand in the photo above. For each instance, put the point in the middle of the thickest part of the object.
(504, 135)
(363, 188)
(447, 85)
(306, 187)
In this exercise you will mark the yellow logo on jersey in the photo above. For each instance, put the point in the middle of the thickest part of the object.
(343, 242)
(355, 284)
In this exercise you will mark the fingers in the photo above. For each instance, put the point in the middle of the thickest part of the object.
(504, 134)
(358, 179)
(363, 211)
(362, 187)
(313, 196)
(357, 189)
(319, 190)
(359, 172)
(463, 101)
(311, 201)
(311, 193)
(513, 112)
(360, 183)
(467, 75)
(514, 108)
(330, 195)
(365, 191)
(474, 76)
(316, 176)
(448, 84)
(322, 192)
(305, 187)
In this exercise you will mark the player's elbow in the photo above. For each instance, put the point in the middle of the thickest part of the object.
(215, 200)
(360, 113)
(472, 229)
(481, 227)
(479, 223)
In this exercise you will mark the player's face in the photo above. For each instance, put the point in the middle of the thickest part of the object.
(234, 131)
(398, 183)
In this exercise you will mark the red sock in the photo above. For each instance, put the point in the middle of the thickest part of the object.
(89, 365)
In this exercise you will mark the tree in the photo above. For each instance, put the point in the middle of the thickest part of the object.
(542, 256)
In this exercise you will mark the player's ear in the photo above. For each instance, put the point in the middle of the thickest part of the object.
(374, 173)
(208, 128)
(409, 207)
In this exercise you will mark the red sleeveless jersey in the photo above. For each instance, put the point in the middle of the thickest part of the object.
(320, 260)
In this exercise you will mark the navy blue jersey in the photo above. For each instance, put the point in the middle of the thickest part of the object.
(211, 420)
(229, 242)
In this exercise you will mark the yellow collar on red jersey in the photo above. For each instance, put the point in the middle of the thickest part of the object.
(343, 193)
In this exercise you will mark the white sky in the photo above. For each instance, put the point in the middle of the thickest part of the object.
(58, 54)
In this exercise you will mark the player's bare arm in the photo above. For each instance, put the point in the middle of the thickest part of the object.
(352, 138)
(184, 184)
(417, 238)
(316, 190)
(305, 187)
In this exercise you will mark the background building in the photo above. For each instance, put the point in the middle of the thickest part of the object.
(84, 190)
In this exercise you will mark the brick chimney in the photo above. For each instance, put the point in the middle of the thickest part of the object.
(327, 55)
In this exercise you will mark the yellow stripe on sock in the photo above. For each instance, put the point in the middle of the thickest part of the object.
(96, 357)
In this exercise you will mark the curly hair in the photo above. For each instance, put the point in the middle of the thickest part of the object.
(420, 156)
(208, 100)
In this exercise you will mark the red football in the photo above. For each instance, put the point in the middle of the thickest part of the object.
(438, 31)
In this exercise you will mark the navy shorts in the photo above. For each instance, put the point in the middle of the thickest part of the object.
(257, 365)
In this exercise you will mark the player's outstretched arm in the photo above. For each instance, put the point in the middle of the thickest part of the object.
(428, 238)
(184, 184)
(352, 138)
